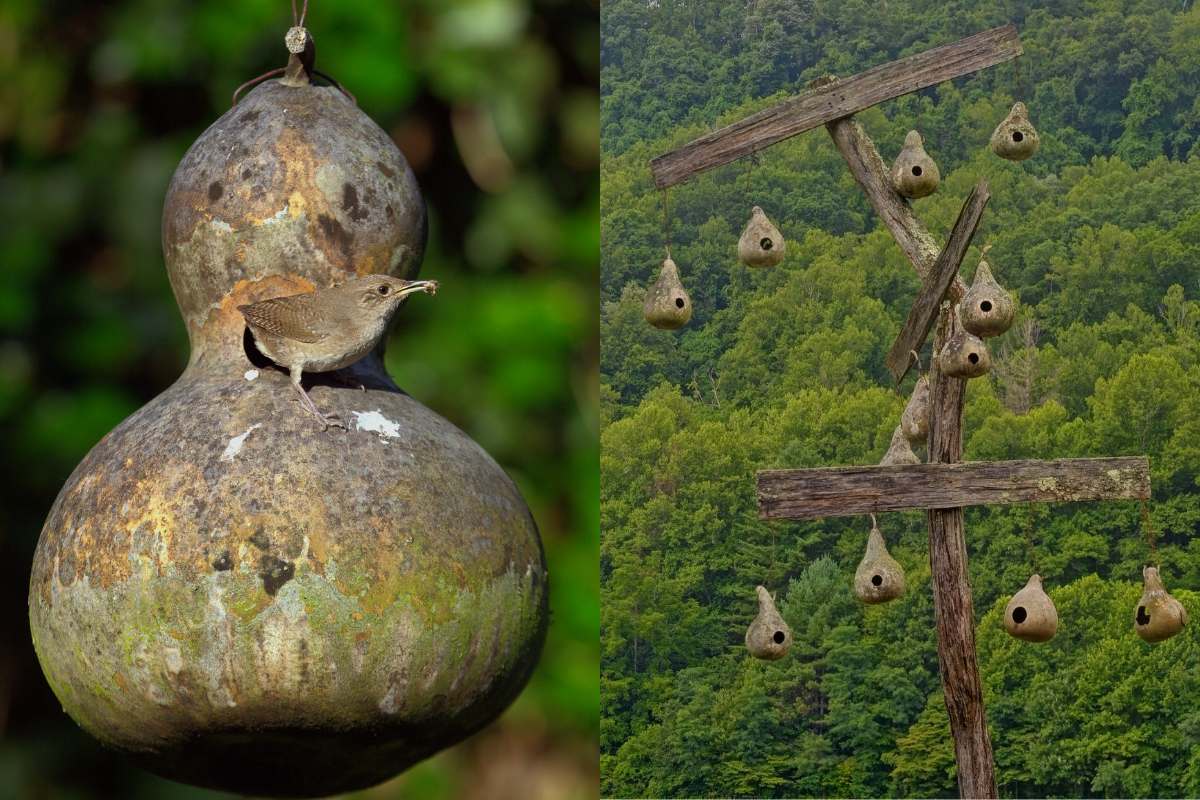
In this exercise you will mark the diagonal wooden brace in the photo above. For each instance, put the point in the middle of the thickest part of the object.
(937, 283)
(846, 491)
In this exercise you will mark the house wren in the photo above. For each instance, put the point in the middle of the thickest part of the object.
(327, 329)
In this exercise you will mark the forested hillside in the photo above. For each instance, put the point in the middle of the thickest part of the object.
(1098, 236)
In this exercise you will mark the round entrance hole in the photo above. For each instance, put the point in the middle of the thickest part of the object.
(985, 306)
(876, 580)
(1142, 617)
(779, 637)
(973, 358)
(917, 171)
(1019, 614)
(679, 302)
(766, 244)
(1018, 136)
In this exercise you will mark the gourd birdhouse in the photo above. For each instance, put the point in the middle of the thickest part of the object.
(768, 636)
(1159, 615)
(963, 354)
(1030, 614)
(914, 173)
(667, 303)
(986, 309)
(879, 577)
(899, 452)
(237, 599)
(914, 422)
(1015, 137)
(761, 244)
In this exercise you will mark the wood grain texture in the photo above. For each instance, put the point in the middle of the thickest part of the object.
(845, 491)
(945, 269)
(836, 100)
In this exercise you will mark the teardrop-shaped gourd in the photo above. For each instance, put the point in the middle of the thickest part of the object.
(762, 244)
(963, 355)
(1015, 137)
(899, 452)
(914, 422)
(879, 577)
(667, 303)
(1159, 615)
(1030, 614)
(914, 173)
(768, 636)
(986, 309)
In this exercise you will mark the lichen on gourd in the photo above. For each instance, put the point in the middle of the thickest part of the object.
(879, 577)
(986, 308)
(1015, 138)
(914, 172)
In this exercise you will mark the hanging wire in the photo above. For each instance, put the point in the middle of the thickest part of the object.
(298, 18)
(1150, 534)
(666, 206)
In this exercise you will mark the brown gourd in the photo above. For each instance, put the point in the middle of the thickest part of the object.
(899, 452)
(1159, 615)
(1015, 138)
(762, 244)
(1030, 614)
(986, 309)
(879, 577)
(963, 355)
(914, 422)
(667, 303)
(768, 636)
(914, 173)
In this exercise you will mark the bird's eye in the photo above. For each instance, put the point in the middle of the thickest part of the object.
(384, 289)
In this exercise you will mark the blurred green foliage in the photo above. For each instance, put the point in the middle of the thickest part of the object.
(1098, 236)
(494, 103)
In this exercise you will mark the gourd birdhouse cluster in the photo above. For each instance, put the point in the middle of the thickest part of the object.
(914, 173)
(1030, 614)
(1015, 138)
(879, 577)
(768, 636)
(761, 243)
(667, 304)
(230, 595)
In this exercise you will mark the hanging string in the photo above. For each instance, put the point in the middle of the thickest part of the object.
(298, 21)
(1030, 550)
(296, 41)
(666, 206)
(1149, 532)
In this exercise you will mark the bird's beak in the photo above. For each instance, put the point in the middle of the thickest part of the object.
(419, 286)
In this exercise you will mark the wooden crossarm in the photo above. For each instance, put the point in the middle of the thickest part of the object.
(945, 269)
(836, 100)
(845, 491)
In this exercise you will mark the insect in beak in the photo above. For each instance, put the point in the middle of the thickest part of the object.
(419, 286)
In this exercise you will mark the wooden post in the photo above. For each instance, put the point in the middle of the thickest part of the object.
(953, 610)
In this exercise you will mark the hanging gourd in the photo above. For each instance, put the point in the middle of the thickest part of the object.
(914, 173)
(1159, 615)
(762, 244)
(986, 309)
(236, 599)
(879, 577)
(963, 355)
(914, 422)
(1015, 137)
(667, 303)
(768, 636)
(1030, 614)
(899, 452)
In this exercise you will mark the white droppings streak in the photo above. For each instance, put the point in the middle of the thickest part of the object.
(376, 422)
(235, 444)
(222, 226)
(251, 374)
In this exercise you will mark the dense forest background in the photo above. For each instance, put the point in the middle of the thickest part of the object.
(1099, 237)
(494, 104)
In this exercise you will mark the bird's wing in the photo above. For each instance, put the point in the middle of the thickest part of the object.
(294, 317)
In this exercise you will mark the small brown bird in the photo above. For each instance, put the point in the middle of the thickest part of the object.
(328, 329)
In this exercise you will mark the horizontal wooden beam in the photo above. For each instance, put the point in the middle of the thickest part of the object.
(845, 491)
(835, 100)
(937, 282)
